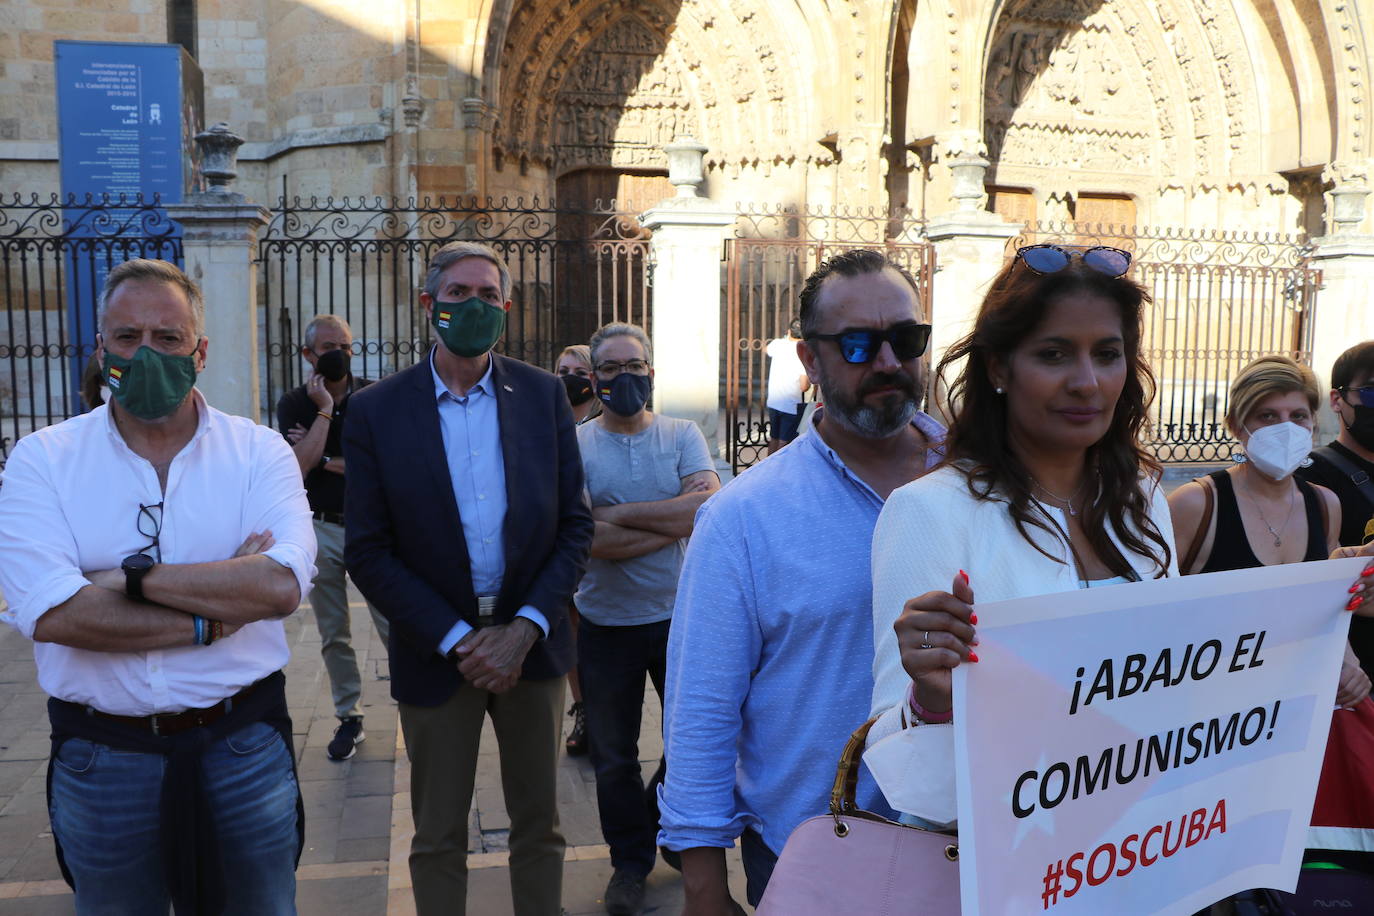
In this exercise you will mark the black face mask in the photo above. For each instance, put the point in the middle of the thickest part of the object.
(579, 389)
(334, 364)
(626, 394)
(1361, 428)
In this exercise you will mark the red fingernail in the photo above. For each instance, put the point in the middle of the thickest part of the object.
(1357, 587)
(973, 656)
(965, 575)
(1367, 570)
(973, 620)
(1354, 603)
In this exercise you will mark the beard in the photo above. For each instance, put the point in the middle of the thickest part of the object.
(851, 412)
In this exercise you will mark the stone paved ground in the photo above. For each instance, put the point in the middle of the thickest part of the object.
(357, 812)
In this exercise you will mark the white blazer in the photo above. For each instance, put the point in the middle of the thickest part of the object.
(933, 527)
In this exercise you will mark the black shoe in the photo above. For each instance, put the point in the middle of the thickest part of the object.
(625, 893)
(577, 738)
(671, 858)
(346, 738)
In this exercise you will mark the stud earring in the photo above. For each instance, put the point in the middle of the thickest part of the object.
(1001, 390)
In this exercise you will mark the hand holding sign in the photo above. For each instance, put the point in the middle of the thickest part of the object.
(1362, 591)
(934, 634)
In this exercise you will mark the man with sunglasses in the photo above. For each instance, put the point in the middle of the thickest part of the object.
(150, 549)
(1346, 466)
(771, 649)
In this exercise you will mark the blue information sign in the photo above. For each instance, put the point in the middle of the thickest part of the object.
(127, 118)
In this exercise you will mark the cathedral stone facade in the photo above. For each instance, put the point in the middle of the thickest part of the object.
(1207, 114)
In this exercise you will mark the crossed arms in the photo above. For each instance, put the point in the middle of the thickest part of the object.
(628, 530)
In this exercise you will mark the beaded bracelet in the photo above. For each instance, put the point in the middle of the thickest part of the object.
(199, 622)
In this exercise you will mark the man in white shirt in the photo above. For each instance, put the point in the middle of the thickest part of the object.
(787, 384)
(150, 549)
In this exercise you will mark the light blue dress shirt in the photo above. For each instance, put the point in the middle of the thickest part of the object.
(471, 429)
(770, 656)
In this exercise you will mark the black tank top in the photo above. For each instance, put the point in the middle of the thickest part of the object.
(1230, 546)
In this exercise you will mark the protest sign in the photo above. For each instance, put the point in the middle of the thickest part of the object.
(1149, 747)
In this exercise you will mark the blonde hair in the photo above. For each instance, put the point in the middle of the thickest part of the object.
(1265, 376)
(581, 352)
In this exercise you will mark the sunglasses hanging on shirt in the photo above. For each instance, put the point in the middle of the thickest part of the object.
(1050, 259)
(861, 345)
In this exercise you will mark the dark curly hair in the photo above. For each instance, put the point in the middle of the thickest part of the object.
(1014, 306)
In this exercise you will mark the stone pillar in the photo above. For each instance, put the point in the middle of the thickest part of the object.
(1344, 314)
(970, 248)
(219, 247)
(688, 236)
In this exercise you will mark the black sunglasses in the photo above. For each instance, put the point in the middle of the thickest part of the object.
(861, 345)
(1050, 259)
(1364, 395)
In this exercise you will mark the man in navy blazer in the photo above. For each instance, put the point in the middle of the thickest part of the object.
(467, 527)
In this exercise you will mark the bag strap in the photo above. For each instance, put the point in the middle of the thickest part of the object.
(1357, 477)
(1193, 548)
(847, 773)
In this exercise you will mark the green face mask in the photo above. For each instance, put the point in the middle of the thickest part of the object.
(152, 384)
(468, 328)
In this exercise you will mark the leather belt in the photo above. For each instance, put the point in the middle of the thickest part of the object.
(172, 723)
(334, 518)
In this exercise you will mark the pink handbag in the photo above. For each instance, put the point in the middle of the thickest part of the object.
(854, 861)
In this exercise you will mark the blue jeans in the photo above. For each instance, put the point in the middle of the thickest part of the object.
(611, 663)
(105, 814)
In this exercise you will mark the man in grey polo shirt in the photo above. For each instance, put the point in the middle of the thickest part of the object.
(646, 477)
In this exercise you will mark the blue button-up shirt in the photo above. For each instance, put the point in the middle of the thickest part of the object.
(770, 656)
(471, 429)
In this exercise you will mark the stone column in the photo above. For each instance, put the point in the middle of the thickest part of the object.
(970, 248)
(219, 246)
(1344, 314)
(689, 235)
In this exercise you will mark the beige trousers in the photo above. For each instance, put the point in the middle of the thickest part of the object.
(442, 743)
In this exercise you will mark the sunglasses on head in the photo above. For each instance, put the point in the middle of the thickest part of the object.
(1050, 259)
(861, 345)
(1364, 396)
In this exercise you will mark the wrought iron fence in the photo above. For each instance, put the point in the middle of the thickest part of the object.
(1221, 299)
(767, 262)
(54, 254)
(573, 268)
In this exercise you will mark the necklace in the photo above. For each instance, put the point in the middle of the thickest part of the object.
(1069, 501)
(1274, 533)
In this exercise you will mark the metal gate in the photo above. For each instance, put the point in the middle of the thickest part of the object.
(763, 279)
(1221, 300)
(54, 254)
(573, 268)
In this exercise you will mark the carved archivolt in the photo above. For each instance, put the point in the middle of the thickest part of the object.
(1121, 86)
(609, 83)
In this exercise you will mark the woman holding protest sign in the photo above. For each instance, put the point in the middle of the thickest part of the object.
(1045, 487)
(1256, 513)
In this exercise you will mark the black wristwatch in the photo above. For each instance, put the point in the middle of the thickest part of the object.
(135, 568)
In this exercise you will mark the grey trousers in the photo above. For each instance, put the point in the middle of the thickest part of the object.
(329, 600)
(442, 744)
